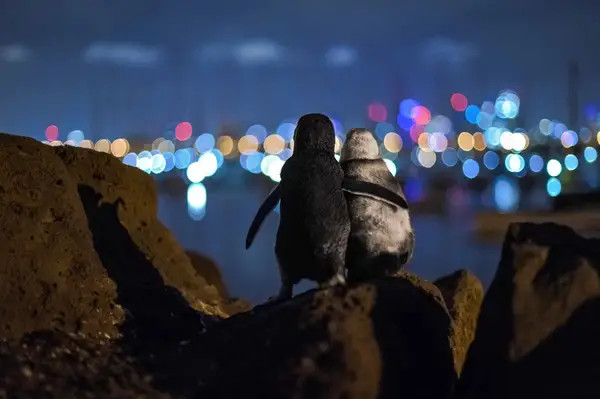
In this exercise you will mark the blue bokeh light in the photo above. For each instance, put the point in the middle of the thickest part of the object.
(470, 168)
(491, 160)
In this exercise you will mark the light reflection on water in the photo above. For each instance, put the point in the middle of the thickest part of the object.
(444, 243)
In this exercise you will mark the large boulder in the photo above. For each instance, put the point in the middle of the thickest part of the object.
(50, 275)
(388, 338)
(538, 330)
(102, 178)
(463, 294)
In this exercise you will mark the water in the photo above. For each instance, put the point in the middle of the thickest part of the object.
(444, 244)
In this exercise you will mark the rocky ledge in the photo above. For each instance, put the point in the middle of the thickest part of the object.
(98, 300)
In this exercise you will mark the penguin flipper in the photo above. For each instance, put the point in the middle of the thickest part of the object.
(373, 190)
(267, 206)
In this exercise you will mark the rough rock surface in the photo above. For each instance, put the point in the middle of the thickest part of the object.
(538, 330)
(463, 294)
(50, 275)
(387, 338)
(57, 365)
(102, 178)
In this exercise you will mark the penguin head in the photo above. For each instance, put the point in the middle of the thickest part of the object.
(360, 144)
(314, 132)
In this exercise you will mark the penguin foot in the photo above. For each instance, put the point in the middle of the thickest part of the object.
(338, 279)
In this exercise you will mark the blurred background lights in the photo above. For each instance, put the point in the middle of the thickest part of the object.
(491, 160)
(258, 131)
(553, 168)
(506, 194)
(545, 127)
(248, 145)
(86, 144)
(76, 136)
(144, 163)
(383, 128)
(438, 142)
(392, 142)
(119, 147)
(553, 187)
(286, 130)
(51, 133)
(507, 105)
(130, 159)
(426, 159)
(194, 172)
(225, 145)
(274, 144)
(205, 142)
(423, 142)
(571, 162)
(470, 168)
(459, 102)
(208, 163)
(406, 107)
(169, 161)
(183, 131)
(377, 112)
(536, 163)
(182, 159)
(514, 163)
(196, 195)
(449, 157)
(391, 166)
(166, 146)
(492, 136)
(158, 163)
(102, 145)
(421, 115)
(590, 154)
(569, 138)
(274, 170)
(479, 141)
(253, 162)
(466, 141)
(472, 113)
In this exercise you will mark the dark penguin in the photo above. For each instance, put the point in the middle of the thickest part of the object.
(314, 222)
(381, 238)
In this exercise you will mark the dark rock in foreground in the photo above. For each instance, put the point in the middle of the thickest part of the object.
(463, 294)
(539, 327)
(384, 339)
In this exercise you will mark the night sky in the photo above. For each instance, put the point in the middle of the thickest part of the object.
(116, 68)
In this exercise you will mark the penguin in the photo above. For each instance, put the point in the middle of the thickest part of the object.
(381, 237)
(314, 223)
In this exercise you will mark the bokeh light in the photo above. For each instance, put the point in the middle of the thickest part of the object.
(377, 112)
(183, 131)
(258, 131)
(514, 163)
(507, 105)
(205, 142)
(459, 102)
(286, 130)
(182, 159)
(102, 145)
(194, 172)
(196, 195)
(89, 144)
(158, 163)
(472, 113)
(449, 157)
(76, 136)
(546, 127)
(569, 138)
(590, 154)
(169, 161)
(470, 168)
(225, 144)
(119, 147)
(478, 141)
(166, 146)
(536, 163)
(51, 133)
(426, 159)
(421, 115)
(247, 145)
(274, 144)
(391, 166)
(383, 128)
(392, 142)
(438, 142)
(130, 159)
(466, 141)
(208, 163)
(423, 142)
(506, 194)
(553, 187)
(406, 107)
(553, 167)
(571, 162)
(491, 160)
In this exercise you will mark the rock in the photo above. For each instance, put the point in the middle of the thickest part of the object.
(208, 269)
(538, 330)
(103, 178)
(51, 364)
(463, 294)
(387, 338)
(50, 275)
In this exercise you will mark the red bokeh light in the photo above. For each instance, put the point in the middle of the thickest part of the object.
(52, 133)
(183, 131)
(415, 132)
(459, 102)
(377, 112)
(421, 115)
